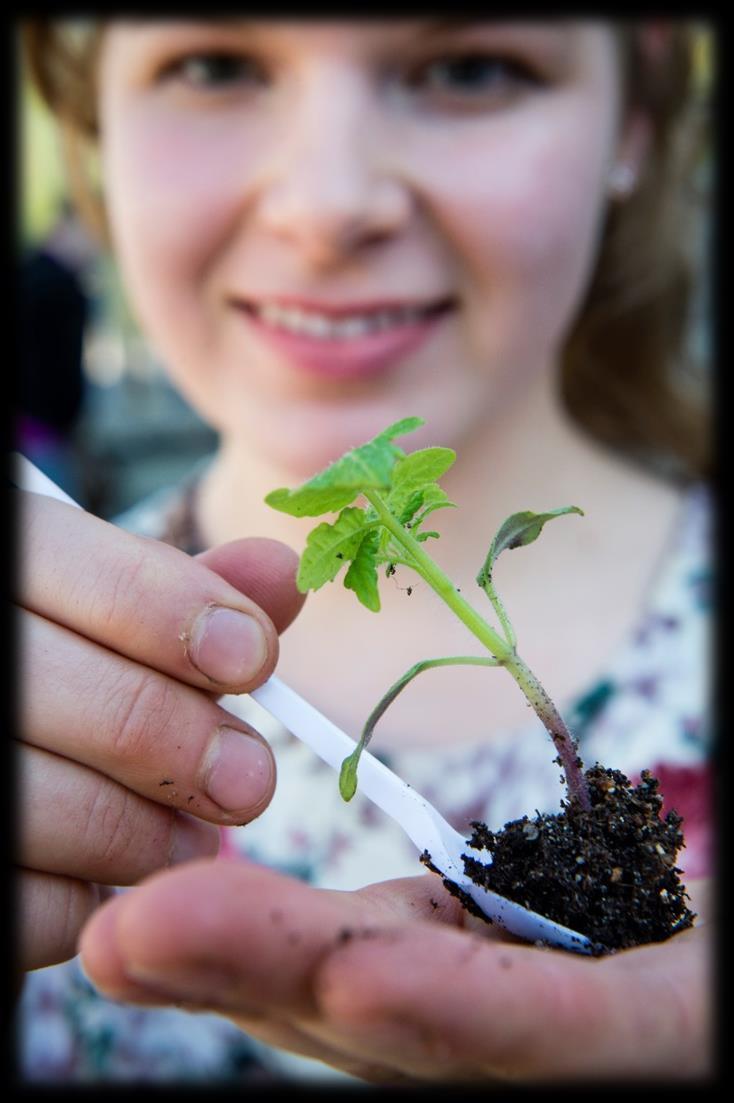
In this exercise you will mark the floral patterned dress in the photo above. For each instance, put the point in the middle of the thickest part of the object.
(651, 709)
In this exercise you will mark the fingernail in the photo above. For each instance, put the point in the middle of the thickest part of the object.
(239, 771)
(228, 646)
(192, 838)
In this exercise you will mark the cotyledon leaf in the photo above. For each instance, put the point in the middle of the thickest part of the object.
(519, 529)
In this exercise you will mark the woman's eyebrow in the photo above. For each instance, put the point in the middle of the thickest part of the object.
(535, 28)
(557, 41)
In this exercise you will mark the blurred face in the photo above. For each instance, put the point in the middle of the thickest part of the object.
(326, 226)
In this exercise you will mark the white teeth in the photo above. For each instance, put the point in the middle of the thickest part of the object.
(353, 327)
(319, 325)
(315, 325)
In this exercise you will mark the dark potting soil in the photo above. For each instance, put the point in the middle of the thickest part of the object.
(608, 873)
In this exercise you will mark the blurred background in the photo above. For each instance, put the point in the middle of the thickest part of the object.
(95, 410)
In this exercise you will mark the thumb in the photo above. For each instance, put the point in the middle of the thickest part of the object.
(262, 569)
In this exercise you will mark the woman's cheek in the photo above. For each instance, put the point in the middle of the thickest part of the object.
(175, 194)
(531, 246)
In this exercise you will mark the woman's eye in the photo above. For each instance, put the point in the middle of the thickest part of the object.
(471, 76)
(215, 71)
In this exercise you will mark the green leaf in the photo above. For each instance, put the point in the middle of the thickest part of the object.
(348, 776)
(426, 465)
(401, 428)
(406, 511)
(412, 476)
(330, 547)
(368, 467)
(518, 530)
(362, 574)
(412, 488)
(434, 497)
(309, 500)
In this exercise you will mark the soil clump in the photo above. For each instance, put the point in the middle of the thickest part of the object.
(608, 873)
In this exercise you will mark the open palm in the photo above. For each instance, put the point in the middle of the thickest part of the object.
(395, 981)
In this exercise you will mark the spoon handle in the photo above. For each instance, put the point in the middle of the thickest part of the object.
(420, 821)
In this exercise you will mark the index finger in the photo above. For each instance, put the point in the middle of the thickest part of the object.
(141, 598)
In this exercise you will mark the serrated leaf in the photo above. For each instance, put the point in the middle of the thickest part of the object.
(330, 547)
(517, 531)
(368, 467)
(362, 574)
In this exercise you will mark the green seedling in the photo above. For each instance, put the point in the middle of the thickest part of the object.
(401, 491)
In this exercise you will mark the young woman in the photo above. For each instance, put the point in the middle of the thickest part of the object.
(323, 227)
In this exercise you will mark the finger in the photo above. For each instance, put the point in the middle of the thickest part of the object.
(164, 740)
(110, 835)
(236, 935)
(397, 1049)
(265, 570)
(295, 1038)
(441, 1002)
(53, 911)
(144, 599)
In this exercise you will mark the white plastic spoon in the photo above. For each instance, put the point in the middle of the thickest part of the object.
(429, 831)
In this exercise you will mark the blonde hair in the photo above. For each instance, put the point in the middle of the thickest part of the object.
(624, 364)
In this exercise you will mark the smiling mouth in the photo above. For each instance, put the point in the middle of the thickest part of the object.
(342, 324)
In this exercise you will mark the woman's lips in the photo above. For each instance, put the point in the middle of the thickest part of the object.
(338, 350)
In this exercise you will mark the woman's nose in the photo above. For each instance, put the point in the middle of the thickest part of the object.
(333, 190)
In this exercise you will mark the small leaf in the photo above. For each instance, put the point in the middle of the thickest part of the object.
(405, 513)
(310, 501)
(400, 428)
(329, 547)
(362, 574)
(518, 530)
(412, 475)
(434, 497)
(368, 467)
(426, 465)
(348, 776)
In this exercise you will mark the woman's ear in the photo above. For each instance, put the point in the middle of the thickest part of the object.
(632, 149)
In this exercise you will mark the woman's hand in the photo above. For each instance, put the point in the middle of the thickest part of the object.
(396, 982)
(126, 761)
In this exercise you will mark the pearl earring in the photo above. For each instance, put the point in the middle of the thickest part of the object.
(622, 180)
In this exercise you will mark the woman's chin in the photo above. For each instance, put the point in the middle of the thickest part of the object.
(303, 443)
